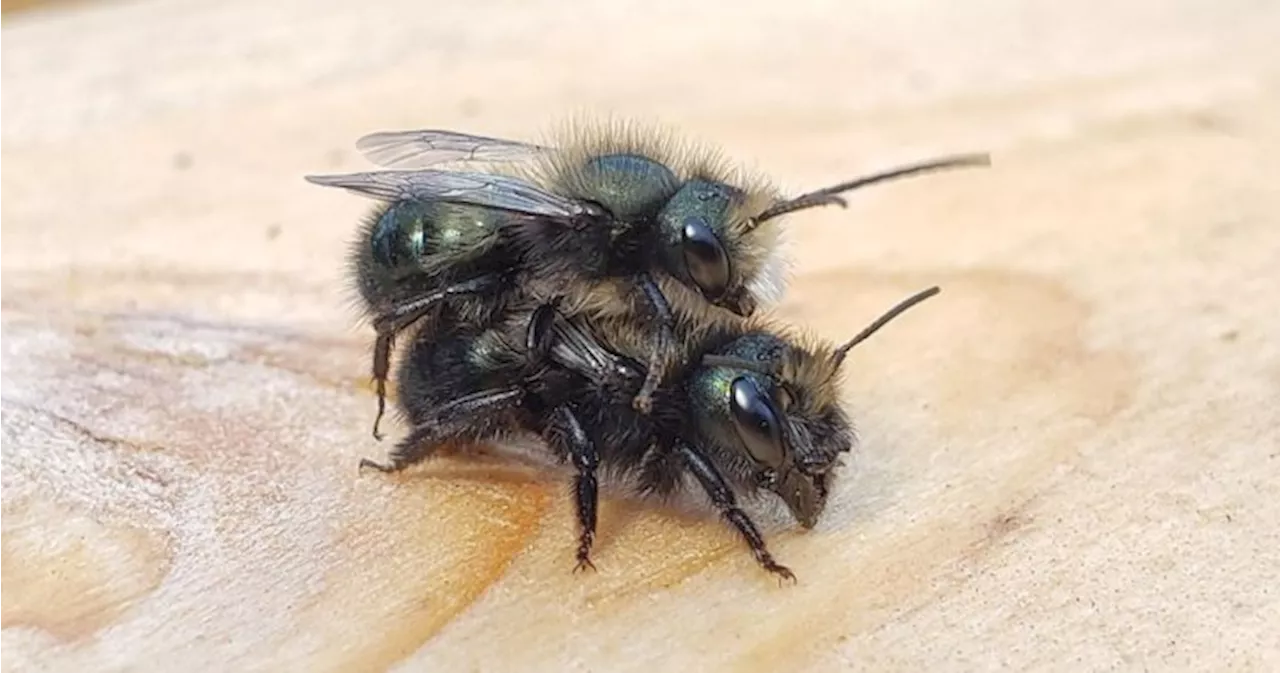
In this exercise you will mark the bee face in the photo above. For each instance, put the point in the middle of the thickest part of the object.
(776, 429)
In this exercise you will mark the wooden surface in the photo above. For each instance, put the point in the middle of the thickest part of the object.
(1070, 459)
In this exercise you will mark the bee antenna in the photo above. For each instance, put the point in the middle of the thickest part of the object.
(883, 320)
(831, 195)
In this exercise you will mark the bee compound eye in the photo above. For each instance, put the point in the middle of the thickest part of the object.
(756, 422)
(705, 258)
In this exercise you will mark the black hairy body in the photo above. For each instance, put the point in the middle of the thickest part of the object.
(750, 412)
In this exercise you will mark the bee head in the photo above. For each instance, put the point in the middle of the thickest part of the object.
(770, 407)
(722, 240)
(707, 247)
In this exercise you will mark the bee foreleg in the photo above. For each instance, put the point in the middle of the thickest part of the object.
(722, 497)
(460, 419)
(586, 460)
(664, 338)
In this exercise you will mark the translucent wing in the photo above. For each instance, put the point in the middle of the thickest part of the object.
(575, 348)
(477, 189)
(428, 147)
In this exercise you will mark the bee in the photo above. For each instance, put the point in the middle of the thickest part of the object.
(618, 222)
(752, 412)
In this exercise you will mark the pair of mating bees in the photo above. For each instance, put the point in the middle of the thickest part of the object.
(601, 294)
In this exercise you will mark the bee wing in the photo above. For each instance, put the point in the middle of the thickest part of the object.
(477, 189)
(429, 147)
(575, 348)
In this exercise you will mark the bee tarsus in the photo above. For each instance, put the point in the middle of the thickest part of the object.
(584, 563)
(723, 499)
(586, 460)
(449, 421)
(368, 463)
(784, 573)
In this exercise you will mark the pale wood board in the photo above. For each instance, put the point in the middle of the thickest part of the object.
(1069, 459)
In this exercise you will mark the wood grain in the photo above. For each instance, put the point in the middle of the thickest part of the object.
(1069, 460)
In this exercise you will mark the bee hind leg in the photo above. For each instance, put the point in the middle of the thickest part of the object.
(567, 432)
(381, 369)
(463, 418)
(400, 317)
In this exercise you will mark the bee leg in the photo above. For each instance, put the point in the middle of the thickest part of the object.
(538, 339)
(457, 419)
(722, 497)
(381, 368)
(403, 315)
(585, 459)
(664, 337)
(660, 472)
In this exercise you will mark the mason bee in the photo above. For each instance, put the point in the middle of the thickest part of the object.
(618, 222)
(748, 411)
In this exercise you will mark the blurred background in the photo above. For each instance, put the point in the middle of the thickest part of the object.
(1068, 459)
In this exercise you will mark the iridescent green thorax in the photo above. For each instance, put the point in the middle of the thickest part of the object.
(629, 186)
